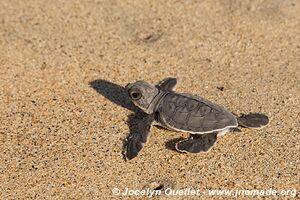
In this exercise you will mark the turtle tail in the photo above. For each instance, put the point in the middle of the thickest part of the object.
(253, 120)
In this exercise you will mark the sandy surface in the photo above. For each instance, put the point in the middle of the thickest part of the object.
(64, 113)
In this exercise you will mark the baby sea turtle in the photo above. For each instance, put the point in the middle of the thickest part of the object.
(201, 118)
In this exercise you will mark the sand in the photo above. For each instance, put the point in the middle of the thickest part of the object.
(64, 113)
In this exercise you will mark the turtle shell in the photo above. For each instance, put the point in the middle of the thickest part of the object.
(188, 113)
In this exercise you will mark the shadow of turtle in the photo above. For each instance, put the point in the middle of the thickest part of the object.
(115, 93)
(118, 95)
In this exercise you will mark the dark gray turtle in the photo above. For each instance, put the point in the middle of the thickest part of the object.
(201, 118)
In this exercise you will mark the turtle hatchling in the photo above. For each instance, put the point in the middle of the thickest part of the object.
(204, 120)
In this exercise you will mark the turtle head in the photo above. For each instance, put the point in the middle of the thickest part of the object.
(142, 95)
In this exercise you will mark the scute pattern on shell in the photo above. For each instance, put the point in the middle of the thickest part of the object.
(193, 114)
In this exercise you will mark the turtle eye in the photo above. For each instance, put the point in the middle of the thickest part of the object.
(135, 94)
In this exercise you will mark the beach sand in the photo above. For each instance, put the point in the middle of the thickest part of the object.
(64, 113)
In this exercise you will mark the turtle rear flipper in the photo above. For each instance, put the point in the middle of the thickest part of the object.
(253, 120)
(197, 144)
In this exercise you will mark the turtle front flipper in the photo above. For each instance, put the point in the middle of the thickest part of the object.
(197, 143)
(167, 84)
(136, 141)
(253, 120)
